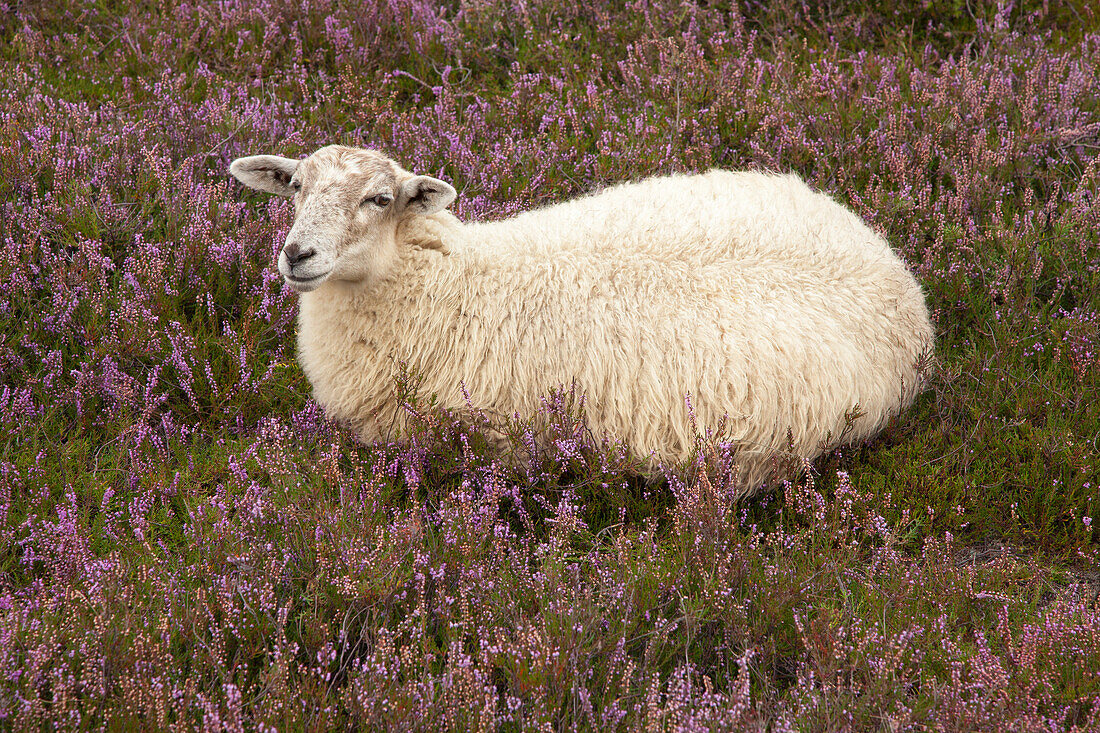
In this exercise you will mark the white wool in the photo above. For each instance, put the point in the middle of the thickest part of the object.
(762, 300)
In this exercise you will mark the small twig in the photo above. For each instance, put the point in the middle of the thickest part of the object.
(426, 85)
(226, 139)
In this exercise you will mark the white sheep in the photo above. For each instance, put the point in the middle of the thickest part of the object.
(763, 301)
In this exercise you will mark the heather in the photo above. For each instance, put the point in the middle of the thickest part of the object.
(186, 542)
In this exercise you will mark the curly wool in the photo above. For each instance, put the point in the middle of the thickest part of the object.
(762, 300)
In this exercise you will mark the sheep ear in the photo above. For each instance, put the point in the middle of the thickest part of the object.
(425, 195)
(269, 173)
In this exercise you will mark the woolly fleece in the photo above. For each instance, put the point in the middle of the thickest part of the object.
(762, 300)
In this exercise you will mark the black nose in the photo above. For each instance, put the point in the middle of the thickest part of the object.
(295, 254)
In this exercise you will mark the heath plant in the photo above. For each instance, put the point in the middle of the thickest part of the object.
(186, 542)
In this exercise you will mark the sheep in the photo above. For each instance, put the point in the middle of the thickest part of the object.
(758, 300)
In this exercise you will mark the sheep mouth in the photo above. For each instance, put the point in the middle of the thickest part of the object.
(305, 284)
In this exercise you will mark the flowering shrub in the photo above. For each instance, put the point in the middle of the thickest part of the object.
(186, 542)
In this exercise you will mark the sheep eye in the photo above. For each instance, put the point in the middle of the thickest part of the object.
(296, 185)
(381, 200)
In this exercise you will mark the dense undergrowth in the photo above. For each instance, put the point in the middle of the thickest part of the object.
(186, 542)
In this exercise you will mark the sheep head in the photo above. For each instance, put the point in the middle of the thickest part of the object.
(348, 205)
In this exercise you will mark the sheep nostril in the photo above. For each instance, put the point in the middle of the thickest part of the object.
(295, 254)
